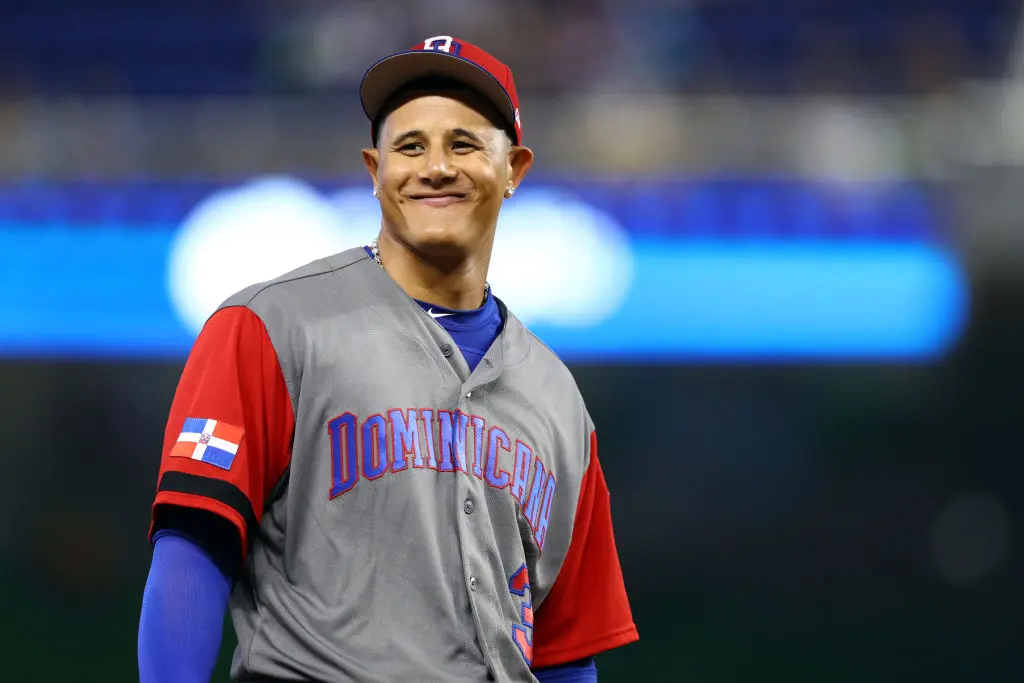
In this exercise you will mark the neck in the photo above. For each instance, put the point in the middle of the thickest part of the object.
(455, 282)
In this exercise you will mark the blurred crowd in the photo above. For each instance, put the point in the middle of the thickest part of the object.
(226, 88)
(204, 47)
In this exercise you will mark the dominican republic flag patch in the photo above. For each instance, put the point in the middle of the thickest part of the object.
(210, 441)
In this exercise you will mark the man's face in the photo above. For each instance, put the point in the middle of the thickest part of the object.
(442, 169)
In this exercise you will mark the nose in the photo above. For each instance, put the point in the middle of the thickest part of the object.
(436, 169)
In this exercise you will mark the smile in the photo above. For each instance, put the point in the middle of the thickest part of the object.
(438, 199)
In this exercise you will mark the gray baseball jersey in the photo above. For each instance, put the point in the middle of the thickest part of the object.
(402, 517)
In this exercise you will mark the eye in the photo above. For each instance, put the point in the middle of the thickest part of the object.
(463, 146)
(411, 148)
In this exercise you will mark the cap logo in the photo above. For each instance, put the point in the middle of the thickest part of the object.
(443, 44)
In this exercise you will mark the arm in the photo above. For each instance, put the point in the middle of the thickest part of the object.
(229, 430)
(587, 611)
(226, 445)
(583, 671)
(182, 613)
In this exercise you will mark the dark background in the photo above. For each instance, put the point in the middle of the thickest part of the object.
(795, 522)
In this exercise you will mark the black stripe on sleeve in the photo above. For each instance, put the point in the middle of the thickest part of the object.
(215, 489)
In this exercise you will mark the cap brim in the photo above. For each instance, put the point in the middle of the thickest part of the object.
(385, 77)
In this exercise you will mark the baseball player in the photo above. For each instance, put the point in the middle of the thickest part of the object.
(370, 460)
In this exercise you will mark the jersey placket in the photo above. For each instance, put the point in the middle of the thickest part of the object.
(476, 545)
(472, 510)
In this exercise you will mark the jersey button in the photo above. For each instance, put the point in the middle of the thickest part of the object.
(472, 583)
(446, 349)
(468, 506)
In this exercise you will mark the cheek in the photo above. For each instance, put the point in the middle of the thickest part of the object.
(390, 177)
(490, 178)
(395, 170)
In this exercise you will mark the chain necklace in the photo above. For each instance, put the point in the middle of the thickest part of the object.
(376, 259)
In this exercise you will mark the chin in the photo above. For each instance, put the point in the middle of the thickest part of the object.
(440, 240)
(442, 236)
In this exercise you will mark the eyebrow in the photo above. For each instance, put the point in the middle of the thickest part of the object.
(455, 132)
(463, 133)
(406, 136)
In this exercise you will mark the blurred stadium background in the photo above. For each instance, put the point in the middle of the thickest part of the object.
(779, 242)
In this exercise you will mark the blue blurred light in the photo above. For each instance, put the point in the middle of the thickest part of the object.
(770, 301)
(723, 270)
(71, 292)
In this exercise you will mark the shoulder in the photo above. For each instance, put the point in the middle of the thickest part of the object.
(318, 293)
(548, 375)
(303, 282)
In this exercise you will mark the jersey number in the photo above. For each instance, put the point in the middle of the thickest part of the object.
(518, 584)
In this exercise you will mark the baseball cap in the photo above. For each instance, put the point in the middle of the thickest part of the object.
(447, 57)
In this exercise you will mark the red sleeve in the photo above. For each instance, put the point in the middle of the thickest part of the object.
(229, 433)
(587, 611)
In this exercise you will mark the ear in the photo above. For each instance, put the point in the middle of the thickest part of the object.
(371, 159)
(520, 159)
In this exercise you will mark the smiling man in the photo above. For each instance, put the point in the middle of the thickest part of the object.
(370, 459)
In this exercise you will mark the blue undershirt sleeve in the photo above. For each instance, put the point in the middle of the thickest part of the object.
(583, 671)
(183, 606)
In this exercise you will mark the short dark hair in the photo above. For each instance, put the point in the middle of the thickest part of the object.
(439, 84)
